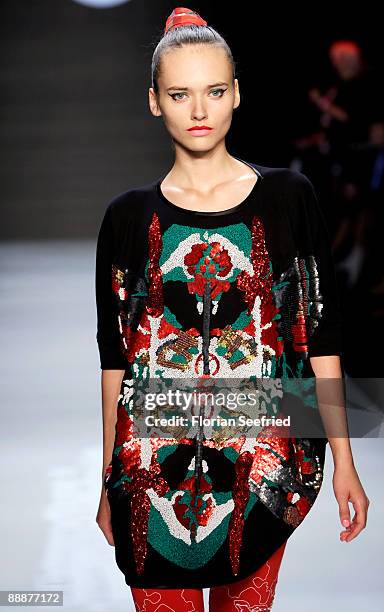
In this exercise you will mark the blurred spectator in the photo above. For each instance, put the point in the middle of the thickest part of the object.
(358, 253)
(343, 155)
(362, 187)
(345, 110)
(350, 104)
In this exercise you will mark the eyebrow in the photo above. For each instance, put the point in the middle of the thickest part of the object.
(187, 88)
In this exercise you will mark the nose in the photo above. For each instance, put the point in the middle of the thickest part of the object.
(198, 110)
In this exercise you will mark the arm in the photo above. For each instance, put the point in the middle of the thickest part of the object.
(327, 367)
(335, 111)
(325, 345)
(112, 361)
(325, 103)
(346, 483)
(110, 388)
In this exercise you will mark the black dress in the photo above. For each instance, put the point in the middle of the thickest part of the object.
(248, 293)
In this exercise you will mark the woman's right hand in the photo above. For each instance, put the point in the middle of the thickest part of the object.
(103, 517)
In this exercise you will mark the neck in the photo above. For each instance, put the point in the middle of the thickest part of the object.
(191, 170)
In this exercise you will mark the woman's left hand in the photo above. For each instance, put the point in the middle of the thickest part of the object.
(348, 488)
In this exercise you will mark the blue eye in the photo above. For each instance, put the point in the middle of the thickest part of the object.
(221, 92)
(176, 94)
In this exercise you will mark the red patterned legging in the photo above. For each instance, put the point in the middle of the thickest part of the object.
(252, 594)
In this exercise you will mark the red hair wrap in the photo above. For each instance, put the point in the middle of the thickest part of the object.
(182, 16)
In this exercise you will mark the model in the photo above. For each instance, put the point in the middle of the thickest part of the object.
(219, 269)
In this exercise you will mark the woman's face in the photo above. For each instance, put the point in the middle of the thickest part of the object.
(195, 89)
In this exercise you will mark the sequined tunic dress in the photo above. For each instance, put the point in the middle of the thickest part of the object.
(247, 292)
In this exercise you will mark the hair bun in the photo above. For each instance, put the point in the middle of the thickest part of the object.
(182, 16)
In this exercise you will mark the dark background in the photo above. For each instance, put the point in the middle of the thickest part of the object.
(75, 124)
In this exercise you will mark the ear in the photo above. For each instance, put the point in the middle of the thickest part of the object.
(236, 102)
(153, 103)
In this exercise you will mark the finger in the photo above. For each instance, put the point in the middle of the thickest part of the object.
(358, 524)
(345, 533)
(359, 521)
(344, 513)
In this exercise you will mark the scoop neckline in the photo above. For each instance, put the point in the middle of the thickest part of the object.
(212, 213)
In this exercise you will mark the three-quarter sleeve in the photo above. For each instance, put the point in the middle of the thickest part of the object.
(108, 333)
(325, 337)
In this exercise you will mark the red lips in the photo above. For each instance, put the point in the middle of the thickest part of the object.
(199, 127)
